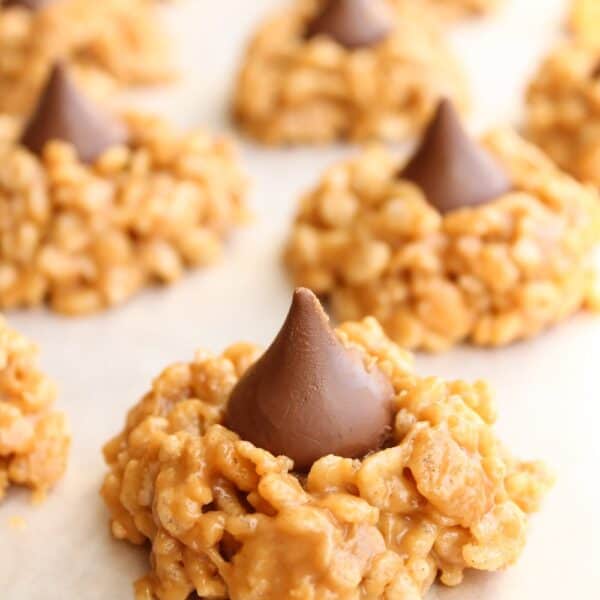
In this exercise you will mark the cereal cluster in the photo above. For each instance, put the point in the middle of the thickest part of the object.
(371, 243)
(563, 104)
(34, 441)
(107, 42)
(294, 90)
(84, 237)
(226, 519)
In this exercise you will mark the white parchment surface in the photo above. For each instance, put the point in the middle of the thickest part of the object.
(548, 389)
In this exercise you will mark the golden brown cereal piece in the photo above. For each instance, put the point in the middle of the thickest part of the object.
(297, 90)
(563, 109)
(34, 440)
(371, 243)
(85, 237)
(106, 43)
(226, 519)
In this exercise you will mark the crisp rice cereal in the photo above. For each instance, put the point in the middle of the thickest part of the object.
(34, 440)
(85, 237)
(291, 90)
(563, 104)
(370, 243)
(105, 43)
(228, 520)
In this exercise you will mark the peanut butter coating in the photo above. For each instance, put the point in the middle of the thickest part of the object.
(452, 169)
(309, 396)
(64, 113)
(353, 23)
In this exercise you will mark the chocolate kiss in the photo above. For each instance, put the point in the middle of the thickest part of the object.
(353, 23)
(63, 113)
(308, 396)
(29, 4)
(451, 169)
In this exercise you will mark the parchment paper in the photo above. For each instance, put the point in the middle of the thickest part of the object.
(548, 389)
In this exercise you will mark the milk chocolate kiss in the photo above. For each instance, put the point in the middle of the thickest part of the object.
(29, 4)
(353, 23)
(308, 396)
(63, 113)
(451, 169)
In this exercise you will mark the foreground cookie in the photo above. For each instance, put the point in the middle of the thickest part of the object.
(110, 207)
(488, 243)
(34, 441)
(562, 100)
(324, 469)
(344, 69)
(105, 42)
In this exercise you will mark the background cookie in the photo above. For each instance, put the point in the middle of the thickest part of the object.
(321, 71)
(100, 208)
(455, 9)
(34, 439)
(492, 257)
(108, 43)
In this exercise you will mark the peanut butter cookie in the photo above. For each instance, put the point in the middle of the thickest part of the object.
(95, 208)
(483, 242)
(563, 99)
(325, 468)
(34, 440)
(106, 43)
(456, 9)
(344, 69)
(563, 109)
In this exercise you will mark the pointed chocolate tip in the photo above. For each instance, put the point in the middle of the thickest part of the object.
(28, 4)
(64, 113)
(308, 395)
(452, 169)
(305, 302)
(353, 23)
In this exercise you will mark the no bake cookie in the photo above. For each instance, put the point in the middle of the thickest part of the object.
(34, 440)
(487, 242)
(454, 9)
(563, 106)
(105, 42)
(93, 208)
(325, 468)
(352, 69)
(584, 22)
(563, 99)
